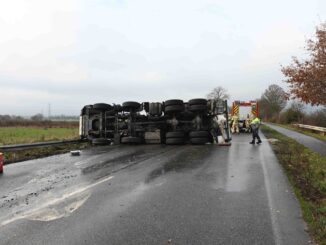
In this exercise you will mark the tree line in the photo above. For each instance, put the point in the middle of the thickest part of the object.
(274, 107)
(307, 85)
(37, 120)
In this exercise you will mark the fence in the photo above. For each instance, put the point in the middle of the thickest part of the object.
(319, 130)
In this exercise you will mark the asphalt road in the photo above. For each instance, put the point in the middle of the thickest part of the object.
(312, 143)
(152, 194)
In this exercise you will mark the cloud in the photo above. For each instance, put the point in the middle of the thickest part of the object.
(274, 45)
(37, 35)
(75, 52)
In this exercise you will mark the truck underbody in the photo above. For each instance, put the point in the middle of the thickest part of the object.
(169, 122)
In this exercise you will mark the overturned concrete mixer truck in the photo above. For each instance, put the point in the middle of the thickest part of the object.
(171, 122)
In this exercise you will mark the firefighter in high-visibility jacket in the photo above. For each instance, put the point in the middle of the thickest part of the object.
(255, 124)
(235, 124)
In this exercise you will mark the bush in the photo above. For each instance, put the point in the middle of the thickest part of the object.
(294, 114)
(317, 118)
(291, 116)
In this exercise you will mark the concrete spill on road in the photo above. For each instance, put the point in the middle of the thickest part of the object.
(48, 212)
(60, 210)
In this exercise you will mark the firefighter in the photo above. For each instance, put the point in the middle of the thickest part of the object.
(218, 125)
(221, 120)
(235, 124)
(247, 123)
(255, 124)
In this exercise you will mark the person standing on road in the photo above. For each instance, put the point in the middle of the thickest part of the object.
(235, 124)
(255, 124)
(221, 120)
(247, 124)
(218, 129)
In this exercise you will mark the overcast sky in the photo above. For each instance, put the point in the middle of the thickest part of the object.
(74, 52)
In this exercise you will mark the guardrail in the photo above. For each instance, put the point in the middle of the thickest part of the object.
(19, 147)
(320, 130)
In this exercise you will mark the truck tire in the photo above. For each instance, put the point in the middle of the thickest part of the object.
(102, 107)
(198, 134)
(174, 141)
(173, 108)
(173, 102)
(197, 102)
(177, 134)
(197, 108)
(130, 106)
(131, 140)
(100, 141)
(83, 111)
(199, 141)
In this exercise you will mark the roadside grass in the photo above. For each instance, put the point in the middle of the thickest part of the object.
(23, 155)
(306, 171)
(25, 135)
(306, 132)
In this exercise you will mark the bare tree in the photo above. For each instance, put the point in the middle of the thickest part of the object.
(272, 101)
(218, 93)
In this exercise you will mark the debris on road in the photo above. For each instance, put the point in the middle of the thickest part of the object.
(75, 153)
(272, 140)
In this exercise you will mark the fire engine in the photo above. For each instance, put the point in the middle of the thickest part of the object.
(246, 111)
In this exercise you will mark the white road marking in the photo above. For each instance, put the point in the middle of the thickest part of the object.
(275, 227)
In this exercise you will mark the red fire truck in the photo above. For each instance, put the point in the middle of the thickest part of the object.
(246, 111)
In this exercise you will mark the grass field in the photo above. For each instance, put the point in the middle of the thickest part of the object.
(25, 135)
(22, 135)
(306, 171)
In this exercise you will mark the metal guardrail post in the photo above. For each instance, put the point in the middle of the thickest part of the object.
(11, 148)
